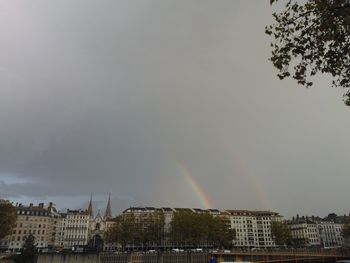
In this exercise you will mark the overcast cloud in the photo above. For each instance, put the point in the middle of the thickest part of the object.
(117, 96)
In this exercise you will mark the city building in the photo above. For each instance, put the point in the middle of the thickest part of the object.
(75, 228)
(147, 215)
(330, 233)
(4, 243)
(304, 231)
(79, 228)
(99, 226)
(144, 213)
(101, 223)
(314, 231)
(39, 221)
(253, 228)
(54, 230)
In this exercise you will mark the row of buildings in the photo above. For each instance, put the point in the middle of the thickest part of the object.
(57, 230)
(74, 228)
(253, 228)
(314, 231)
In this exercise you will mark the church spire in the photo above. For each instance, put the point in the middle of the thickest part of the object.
(108, 213)
(89, 210)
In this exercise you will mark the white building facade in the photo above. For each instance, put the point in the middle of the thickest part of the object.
(253, 228)
(330, 234)
(316, 232)
(75, 228)
(78, 228)
(305, 231)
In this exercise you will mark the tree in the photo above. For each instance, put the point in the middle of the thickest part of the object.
(312, 37)
(200, 228)
(280, 233)
(123, 231)
(129, 229)
(153, 229)
(8, 218)
(300, 242)
(346, 233)
(28, 252)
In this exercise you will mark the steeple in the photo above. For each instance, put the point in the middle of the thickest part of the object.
(108, 213)
(98, 214)
(89, 210)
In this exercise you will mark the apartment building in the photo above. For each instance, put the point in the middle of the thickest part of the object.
(75, 227)
(305, 230)
(253, 228)
(79, 227)
(330, 233)
(39, 221)
(143, 213)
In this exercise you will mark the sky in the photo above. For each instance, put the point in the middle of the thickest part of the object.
(162, 103)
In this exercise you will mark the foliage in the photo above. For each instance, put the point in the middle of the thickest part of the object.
(154, 231)
(8, 218)
(28, 252)
(346, 233)
(95, 243)
(136, 230)
(299, 242)
(280, 233)
(199, 228)
(312, 37)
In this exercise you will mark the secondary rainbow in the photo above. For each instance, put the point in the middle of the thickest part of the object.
(196, 187)
(252, 180)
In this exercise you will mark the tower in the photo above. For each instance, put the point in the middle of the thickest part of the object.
(108, 213)
(89, 210)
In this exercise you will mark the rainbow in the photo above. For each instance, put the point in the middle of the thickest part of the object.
(252, 180)
(197, 189)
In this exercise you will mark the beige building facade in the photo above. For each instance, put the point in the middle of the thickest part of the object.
(39, 221)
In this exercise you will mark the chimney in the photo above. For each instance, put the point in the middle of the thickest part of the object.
(41, 205)
(31, 205)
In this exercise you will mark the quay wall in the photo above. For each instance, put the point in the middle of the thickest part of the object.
(68, 258)
(124, 258)
(189, 257)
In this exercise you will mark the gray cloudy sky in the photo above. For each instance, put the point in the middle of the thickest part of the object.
(128, 97)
